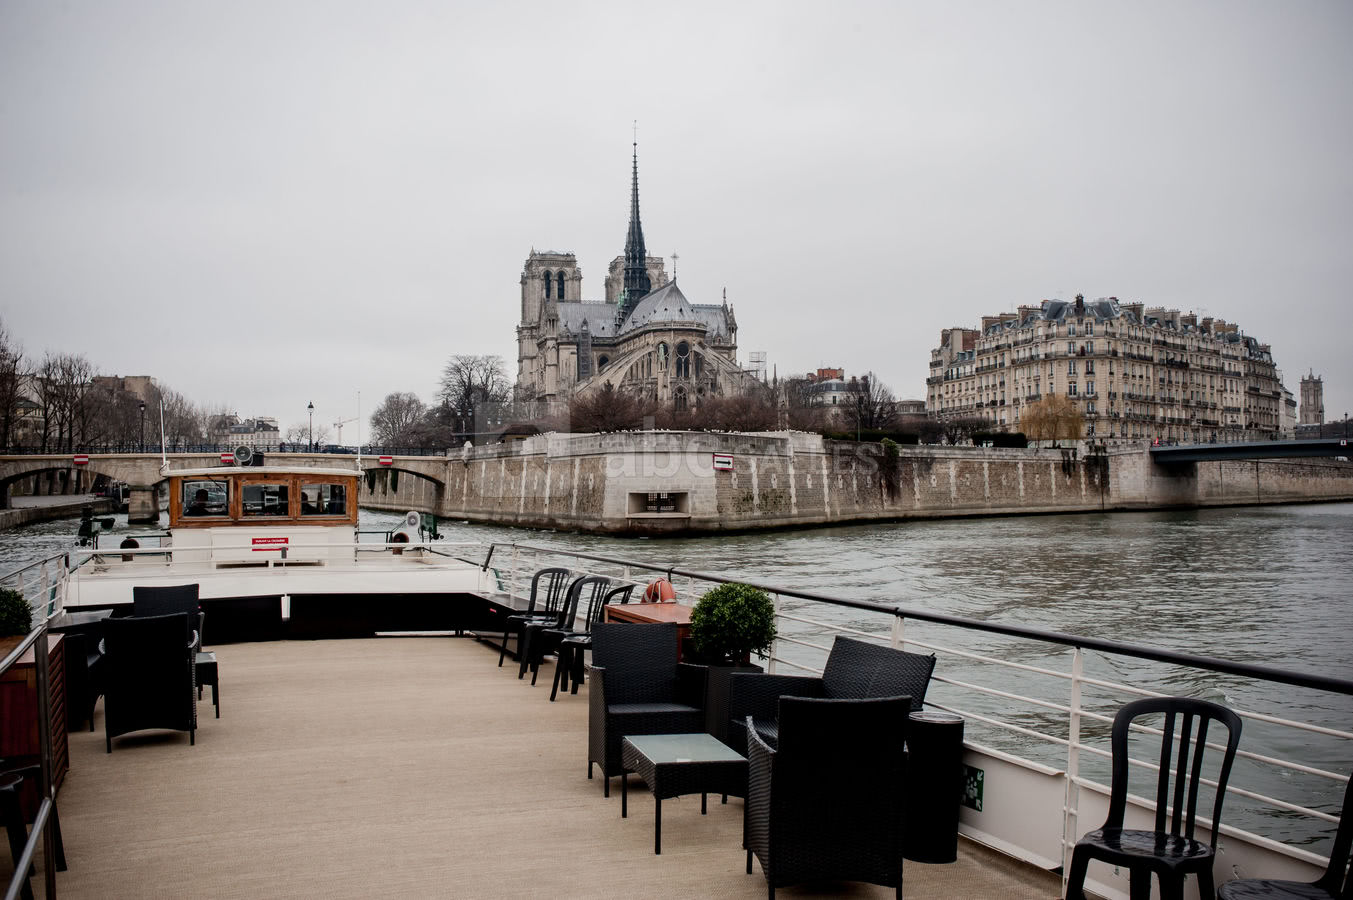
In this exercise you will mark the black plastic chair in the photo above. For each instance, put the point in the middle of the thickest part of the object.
(573, 644)
(827, 805)
(16, 827)
(855, 670)
(150, 671)
(1335, 884)
(544, 637)
(638, 687)
(547, 596)
(1170, 852)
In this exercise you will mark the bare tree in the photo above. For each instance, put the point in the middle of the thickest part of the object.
(467, 384)
(609, 409)
(399, 421)
(958, 429)
(11, 379)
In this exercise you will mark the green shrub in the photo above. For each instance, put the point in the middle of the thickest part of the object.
(731, 622)
(15, 615)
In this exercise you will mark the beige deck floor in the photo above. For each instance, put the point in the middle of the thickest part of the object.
(406, 767)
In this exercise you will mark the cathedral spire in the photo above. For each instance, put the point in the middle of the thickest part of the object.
(637, 282)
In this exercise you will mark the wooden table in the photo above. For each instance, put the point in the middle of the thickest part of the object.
(678, 614)
(19, 714)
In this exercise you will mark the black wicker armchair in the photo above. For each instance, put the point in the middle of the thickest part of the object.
(638, 687)
(163, 601)
(149, 676)
(827, 804)
(855, 670)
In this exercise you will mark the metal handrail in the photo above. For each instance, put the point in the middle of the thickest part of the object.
(1121, 648)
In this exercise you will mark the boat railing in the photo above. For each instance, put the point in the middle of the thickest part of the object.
(40, 585)
(1063, 713)
(466, 552)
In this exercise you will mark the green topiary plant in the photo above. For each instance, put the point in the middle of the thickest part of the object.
(15, 615)
(731, 622)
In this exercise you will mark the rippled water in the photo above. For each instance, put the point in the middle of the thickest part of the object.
(1258, 584)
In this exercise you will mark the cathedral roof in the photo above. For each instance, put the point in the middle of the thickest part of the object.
(665, 305)
(600, 318)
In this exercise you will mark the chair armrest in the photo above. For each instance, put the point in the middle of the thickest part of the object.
(195, 642)
(691, 680)
(758, 696)
(596, 686)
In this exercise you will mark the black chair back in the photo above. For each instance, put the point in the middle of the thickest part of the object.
(148, 674)
(549, 587)
(1186, 720)
(640, 660)
(163, 601)
(595, 587)
(858, 669)
(602, 594)
(830, 805)
(620, 595)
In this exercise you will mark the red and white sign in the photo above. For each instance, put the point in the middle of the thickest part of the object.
(270, 543)
(723, 462)
(227, 458)
(387, 460)
(81, 459)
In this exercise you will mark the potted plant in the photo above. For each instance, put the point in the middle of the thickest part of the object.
(16, 619)
(728, 624)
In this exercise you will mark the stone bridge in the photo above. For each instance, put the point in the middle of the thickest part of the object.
(67, 473)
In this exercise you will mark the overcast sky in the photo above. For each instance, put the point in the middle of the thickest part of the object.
(267, 204)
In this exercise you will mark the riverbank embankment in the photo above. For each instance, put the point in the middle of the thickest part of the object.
(28, 510)
(694, 482)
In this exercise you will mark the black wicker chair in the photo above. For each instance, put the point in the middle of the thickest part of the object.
(638, 687)
(1335, 884)
(544, 637)
(855, 670)
(1170, 853)
(160, 601)
(149, 676)
(827, 804)
(573, 644)
(548, 588)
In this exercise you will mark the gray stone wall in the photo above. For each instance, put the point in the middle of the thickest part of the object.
(584, 482)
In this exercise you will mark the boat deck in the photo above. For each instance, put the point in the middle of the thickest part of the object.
(407, 767)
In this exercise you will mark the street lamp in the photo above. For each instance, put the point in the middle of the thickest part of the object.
(311, 407)
(143, 426)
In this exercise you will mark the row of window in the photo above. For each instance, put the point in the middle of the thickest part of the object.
(550, 281)
(211, 498)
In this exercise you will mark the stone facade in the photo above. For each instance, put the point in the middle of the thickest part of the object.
(1136, 373)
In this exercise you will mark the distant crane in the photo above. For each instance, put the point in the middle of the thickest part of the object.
(339, 426)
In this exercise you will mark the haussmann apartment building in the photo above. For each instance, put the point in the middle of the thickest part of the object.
(1135, 373)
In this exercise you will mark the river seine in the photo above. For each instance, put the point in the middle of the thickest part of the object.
(1257, 584)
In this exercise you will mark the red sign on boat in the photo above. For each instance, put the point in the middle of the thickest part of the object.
(227, 458)
(270, 543)
(81, 459)
(387, 460)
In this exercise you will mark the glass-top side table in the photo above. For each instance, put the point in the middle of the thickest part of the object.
(676, 764)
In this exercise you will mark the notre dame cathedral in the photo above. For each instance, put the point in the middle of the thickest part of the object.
(644, 337)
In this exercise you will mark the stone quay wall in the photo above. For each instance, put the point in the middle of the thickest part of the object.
(667, 482)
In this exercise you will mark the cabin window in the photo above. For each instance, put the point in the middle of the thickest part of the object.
(206, 498)
(324, 500)
(264, 500)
